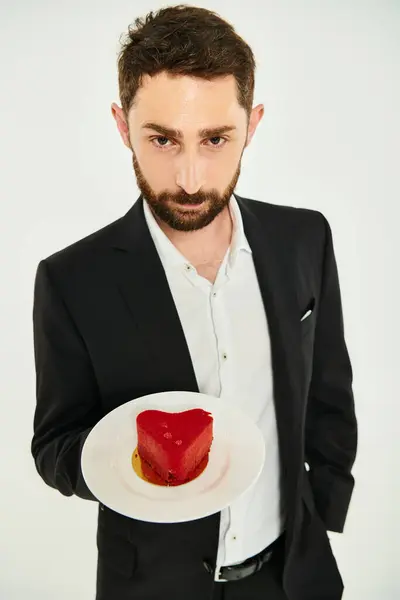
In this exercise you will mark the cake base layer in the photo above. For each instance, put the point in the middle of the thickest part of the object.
(147, 473)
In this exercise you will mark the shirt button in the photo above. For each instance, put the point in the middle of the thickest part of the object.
(224, 355)
(214, 294)
(188, 267)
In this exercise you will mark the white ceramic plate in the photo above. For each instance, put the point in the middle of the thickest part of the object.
(235, 461)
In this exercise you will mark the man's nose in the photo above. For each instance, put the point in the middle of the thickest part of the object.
(190, 174)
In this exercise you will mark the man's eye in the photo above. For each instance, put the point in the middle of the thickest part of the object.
(161, 141)
(217, 141)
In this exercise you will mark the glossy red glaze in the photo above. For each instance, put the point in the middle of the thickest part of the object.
(175, 444)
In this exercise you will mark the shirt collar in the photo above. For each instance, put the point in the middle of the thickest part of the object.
(169, 253)
(239, 240)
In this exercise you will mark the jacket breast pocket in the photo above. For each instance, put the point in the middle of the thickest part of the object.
(307, 318)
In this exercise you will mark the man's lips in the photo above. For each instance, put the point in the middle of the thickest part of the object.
(189, 206)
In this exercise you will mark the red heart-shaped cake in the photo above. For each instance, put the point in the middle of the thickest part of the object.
(174, 443)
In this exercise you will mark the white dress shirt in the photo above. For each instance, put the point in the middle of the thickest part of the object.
(227, 334)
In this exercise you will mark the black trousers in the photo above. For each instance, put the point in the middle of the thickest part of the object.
(266, 584)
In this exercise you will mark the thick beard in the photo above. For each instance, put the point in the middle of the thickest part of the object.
(165, 205)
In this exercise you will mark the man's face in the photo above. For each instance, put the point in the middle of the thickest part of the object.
(187, 137)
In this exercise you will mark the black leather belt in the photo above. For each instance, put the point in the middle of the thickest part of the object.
(249, 566)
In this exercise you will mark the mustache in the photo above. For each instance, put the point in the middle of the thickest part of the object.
(182, 198)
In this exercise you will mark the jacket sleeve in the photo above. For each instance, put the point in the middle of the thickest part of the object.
(331, 426)
(67, 405)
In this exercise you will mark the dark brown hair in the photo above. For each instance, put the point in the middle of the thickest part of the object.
(184, 40)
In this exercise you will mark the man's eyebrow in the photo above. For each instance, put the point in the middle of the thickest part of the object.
(176, 134)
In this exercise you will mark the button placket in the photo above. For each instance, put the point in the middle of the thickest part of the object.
(219, 325)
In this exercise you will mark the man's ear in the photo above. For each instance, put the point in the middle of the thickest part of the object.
(122, 125)
(255, 117)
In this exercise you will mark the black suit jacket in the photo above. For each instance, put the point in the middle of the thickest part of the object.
(106, 331)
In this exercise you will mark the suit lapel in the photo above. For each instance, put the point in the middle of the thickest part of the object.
(275, 264)
(143, 284)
